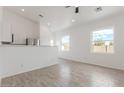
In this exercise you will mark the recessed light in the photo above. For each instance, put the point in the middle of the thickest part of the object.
(73, 20)
(22, 10)
(76, 6)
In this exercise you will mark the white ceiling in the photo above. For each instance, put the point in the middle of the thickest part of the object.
(60, 17)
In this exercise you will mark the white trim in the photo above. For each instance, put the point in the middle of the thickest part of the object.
(84, 62)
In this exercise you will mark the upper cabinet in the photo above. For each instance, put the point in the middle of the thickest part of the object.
(6, 32)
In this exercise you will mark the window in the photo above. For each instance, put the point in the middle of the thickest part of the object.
(65, 46)
(103, 41)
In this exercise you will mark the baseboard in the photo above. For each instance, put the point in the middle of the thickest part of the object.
(110, 67)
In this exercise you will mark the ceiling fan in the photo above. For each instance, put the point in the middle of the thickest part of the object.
(76, 8)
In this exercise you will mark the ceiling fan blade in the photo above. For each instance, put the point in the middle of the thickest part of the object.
(77, 10)
(67, 6)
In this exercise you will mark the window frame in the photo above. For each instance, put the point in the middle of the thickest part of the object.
(91, 40)
(62, 44)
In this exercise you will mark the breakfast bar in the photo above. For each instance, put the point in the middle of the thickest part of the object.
(19, 59)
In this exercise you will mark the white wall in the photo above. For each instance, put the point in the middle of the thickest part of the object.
(45, 35)
(19, 59)
(1, 15)
(80, 42)
(20, 26)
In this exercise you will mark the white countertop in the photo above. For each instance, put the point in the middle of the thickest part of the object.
(26, 46)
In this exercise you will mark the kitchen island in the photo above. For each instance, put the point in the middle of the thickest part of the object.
(19, 59)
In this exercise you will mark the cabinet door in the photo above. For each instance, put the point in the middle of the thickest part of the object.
(6, 32)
